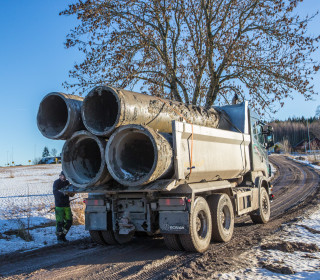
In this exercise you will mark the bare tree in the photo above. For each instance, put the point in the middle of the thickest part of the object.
(315, 128)
(196, 51)
(286, 146)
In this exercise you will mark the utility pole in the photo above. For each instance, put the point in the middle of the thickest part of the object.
(308, 135)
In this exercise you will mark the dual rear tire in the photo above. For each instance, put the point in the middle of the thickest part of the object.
(109, 237)
(211, 219)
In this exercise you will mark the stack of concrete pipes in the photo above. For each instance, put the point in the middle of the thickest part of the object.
(114, 133)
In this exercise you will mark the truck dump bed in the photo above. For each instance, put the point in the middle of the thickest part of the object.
(204, 151)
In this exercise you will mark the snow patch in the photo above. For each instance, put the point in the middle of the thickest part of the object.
(274, 264)
(27, 201)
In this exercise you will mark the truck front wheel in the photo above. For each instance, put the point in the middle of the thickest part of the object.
(222, 217)
(198, 240)
(262, 215)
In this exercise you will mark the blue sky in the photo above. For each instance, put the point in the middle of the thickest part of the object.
(34, 62)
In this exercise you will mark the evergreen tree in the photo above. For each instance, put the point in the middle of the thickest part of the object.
(45, 152)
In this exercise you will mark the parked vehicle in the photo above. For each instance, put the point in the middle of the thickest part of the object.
(50, 160)
(215, 175)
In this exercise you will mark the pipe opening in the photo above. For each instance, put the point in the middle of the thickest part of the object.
(82, 160)
(100, 110)
(133, 156)
(52, 115)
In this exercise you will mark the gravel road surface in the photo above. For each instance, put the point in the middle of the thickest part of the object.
(295, 189)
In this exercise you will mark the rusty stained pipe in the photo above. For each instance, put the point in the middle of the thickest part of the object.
(59, 115)
(83, 160)
(106, 108)
(137, 155)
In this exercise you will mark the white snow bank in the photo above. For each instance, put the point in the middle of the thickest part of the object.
(25, 201)
(306, 161)
(305, 265)
(42, 237)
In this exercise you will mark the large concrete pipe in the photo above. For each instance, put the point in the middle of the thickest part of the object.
(59, 115)
(83, 160)
(137, 155)
(106, 108)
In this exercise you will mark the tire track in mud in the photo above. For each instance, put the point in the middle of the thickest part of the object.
(295, 191)
(295, 182)
(147, 258)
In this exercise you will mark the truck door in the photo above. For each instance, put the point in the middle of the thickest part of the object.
(259, 159)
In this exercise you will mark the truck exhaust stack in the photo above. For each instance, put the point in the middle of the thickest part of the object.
(83, 160)
(59, 115)
(137, 155)
(106, 108)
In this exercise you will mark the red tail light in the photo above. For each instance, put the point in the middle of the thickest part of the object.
(172, 201)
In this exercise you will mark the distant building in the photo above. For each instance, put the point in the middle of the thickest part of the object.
(303, 145)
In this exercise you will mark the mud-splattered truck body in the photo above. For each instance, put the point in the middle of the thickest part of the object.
(217, 174)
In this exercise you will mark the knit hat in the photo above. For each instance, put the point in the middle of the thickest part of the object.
(62, 173)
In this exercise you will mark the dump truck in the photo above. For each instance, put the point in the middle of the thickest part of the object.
(158, 167)
(215, 175)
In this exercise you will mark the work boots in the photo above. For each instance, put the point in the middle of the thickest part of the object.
(61, 238)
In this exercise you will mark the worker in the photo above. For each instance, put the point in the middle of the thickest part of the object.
(62, 208)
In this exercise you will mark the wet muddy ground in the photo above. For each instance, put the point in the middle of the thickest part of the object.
(296, 191)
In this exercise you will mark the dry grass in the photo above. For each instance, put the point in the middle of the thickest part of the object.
(314, 159)
(42, 206)
(11, 174)
(23, 232)
(78, 208)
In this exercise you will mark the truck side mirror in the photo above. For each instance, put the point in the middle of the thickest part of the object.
(269, 140)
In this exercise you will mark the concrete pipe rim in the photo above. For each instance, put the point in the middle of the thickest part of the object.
(71, 167)
(40, 119)
(114, 143)
(95, 124)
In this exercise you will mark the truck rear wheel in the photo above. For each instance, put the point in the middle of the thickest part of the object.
(173, 242)
(198, 240)
(108, 237)
(96, 236)
(222, 217)
(123, 238)
(262, 215)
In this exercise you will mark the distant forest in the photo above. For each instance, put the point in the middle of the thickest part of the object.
(295, 130)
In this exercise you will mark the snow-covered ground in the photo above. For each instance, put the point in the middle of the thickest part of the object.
(273, 170)
(292, 253)
(308, 160)
(25, 202)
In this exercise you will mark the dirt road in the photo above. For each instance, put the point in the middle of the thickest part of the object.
(295, 190)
